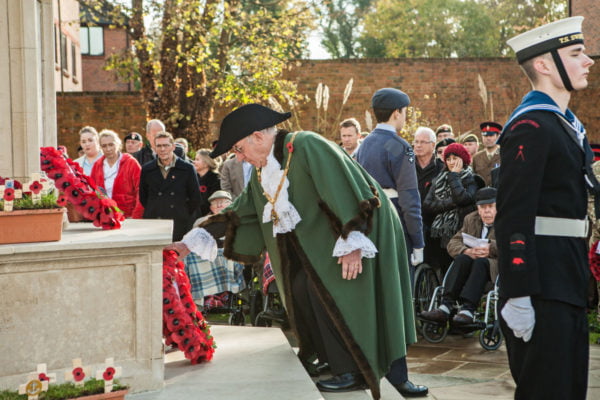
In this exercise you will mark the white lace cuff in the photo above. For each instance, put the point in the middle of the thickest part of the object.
(286, 213)
(199, 241)
(356, 240)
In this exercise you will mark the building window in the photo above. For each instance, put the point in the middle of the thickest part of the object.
(74, 59)
(64, 63)
(92, 40)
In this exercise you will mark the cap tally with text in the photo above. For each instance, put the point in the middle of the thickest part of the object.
(243, 122)
(490, 128)
(220, 194)
(390, 99)
(545, 38)
(133, 136)
(486, 195)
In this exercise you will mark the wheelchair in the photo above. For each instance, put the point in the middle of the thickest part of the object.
(428, 295)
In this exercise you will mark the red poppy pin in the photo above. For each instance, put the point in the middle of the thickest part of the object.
(36, 187)
(9, 194)
(203, 189)
(78, 374)
(108, 374)
(43, 377)
(290, 147)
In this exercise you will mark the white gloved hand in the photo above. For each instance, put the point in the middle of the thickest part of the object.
(416, 257)
(520, 316)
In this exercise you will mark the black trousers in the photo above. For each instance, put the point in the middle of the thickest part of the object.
(466, 280)
(554, 363)
(328, 344)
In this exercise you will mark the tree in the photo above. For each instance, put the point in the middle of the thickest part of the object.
(341, 22)
(429, 28)
(451, 28)
(207, 52)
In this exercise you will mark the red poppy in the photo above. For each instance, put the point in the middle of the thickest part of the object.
(290, 147)
(108, 374)
(203, 188)
(62, 200)
(9, 194)
(43, 377)
(78, 374)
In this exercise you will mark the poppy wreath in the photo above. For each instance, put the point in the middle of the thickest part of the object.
(184, 326)
(594, 261)
(80, 190)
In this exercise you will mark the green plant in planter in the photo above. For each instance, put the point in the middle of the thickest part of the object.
(25, 203)
(65, 391)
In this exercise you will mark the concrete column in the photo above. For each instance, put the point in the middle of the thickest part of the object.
(27, 97)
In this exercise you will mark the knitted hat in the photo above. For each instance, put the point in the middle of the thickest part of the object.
(458, 150)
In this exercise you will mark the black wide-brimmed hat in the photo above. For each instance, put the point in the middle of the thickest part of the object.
(243, 122)
(486, 195)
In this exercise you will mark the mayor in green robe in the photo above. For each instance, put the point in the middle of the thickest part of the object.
(320, 215)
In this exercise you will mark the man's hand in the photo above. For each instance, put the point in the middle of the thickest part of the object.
(519, 315)
(478, 252)
(416, 257)
(180, 248)
(351, 264)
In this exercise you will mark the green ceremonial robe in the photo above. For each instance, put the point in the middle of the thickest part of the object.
(334, 195)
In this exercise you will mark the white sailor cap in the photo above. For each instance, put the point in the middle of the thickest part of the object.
(561, 33)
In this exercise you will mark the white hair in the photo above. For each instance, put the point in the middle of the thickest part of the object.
(112, 134)
(426, 130)
(155, 122)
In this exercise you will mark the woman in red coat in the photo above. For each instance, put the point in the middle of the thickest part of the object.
(118, 174)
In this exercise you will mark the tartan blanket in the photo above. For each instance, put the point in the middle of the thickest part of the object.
(208, 278)
(268, 276)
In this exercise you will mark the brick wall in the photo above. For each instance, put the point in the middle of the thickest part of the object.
(590, 9)
(122, 112)
(96, 79)
(446, 91)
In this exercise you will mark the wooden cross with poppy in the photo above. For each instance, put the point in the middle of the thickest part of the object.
(108, 373)
(78, 373)
(37, 187)
(37, 382)
(8, 193)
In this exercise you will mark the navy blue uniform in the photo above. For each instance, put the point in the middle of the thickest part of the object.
(390, 160)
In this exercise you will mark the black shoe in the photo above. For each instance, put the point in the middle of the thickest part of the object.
(342, 383)
(435, 315)
(409, 389)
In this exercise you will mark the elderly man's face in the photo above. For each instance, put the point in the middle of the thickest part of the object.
(254, 149)
(487, 212)
(151, 134)
(422, 144)
(131, 145)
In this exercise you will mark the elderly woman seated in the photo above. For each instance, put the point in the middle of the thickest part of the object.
(221, 276)
(473, 266)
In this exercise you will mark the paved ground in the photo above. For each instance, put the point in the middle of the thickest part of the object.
(259, 363)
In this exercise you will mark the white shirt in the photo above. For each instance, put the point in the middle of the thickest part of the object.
(110, 174)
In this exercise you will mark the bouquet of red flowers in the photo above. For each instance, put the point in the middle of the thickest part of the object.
(80, 190)
(184, 326)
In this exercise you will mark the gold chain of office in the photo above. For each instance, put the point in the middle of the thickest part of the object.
(273, 200)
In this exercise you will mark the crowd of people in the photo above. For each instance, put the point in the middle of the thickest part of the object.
(357, 216)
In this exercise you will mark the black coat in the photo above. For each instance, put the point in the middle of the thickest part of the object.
(209, 183)
(463, 196)
(425, 177)
(144, 155)
(177, 197)
(541, 175)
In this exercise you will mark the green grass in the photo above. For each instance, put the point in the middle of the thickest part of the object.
(64, 391)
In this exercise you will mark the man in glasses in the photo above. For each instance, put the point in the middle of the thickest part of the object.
(332, 239)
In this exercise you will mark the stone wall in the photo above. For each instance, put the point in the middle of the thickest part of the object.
(444, 90)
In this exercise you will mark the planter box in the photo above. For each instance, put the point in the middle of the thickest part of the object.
(118, 395)
(27, 226)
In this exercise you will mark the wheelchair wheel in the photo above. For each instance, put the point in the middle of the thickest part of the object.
(236, 318)
(262, 320)
(490, 338)
(426, 280)
(434, 333)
